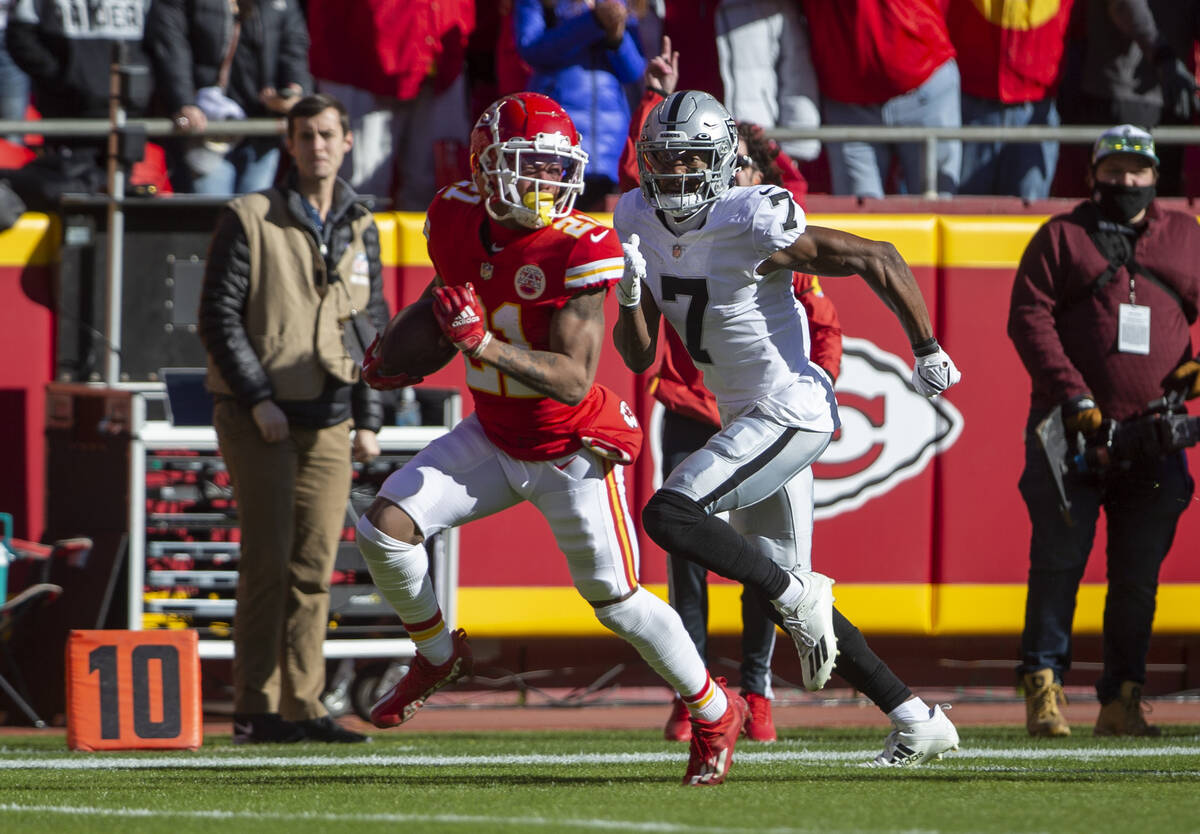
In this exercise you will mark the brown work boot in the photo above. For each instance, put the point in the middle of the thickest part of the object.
(1042, 694)
(1126, 715)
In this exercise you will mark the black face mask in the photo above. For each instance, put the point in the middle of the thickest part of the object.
(1122, 203)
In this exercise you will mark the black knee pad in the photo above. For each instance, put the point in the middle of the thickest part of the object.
(668, 517)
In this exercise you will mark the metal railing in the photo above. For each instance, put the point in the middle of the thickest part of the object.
(927, 136)
(166, 128)
(930, 136)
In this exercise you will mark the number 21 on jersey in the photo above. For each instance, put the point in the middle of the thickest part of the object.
(504, 322)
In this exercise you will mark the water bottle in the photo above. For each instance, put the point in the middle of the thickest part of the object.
(5, 554)
(408, 409)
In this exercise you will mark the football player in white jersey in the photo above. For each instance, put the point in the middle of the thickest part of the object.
(716, 261)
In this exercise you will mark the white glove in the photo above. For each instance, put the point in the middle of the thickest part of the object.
(934, 373)
(629, 288)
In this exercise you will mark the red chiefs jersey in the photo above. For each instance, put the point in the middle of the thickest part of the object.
(522, 279)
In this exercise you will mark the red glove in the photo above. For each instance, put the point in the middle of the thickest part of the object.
(460, 316)
(374, 376)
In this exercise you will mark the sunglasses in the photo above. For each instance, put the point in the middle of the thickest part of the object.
(1122, 144)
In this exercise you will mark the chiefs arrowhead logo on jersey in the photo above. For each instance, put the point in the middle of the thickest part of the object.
(530, 282)
(889, 432)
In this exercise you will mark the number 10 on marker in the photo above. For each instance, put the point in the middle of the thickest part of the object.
(133, 689)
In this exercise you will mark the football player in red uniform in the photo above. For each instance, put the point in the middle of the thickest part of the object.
(520, 288)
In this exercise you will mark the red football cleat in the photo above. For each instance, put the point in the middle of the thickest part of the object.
(759, 724)
(423, 679)
(711, 755)
(679, 725)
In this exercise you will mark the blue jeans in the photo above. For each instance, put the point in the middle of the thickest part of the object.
(860, 168)
(1020, 169)
(14, 89)
(688, 581)
(1142, 506)
(250, 165)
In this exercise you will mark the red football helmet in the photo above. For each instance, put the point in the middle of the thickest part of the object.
(527, 160)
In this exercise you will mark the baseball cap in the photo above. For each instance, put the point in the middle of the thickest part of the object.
(1124, 139)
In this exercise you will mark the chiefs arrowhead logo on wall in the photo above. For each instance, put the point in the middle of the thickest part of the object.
(889, 431)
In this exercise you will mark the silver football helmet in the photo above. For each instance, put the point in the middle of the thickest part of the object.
(687, 152)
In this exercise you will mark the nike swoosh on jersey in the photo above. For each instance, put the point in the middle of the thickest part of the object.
(599, 236)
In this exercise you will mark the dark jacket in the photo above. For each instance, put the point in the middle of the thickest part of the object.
(574, 66)
(1067, 335)
(187, 39)
(68, 66)
(224, 298)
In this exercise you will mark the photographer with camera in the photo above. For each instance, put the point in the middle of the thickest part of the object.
(1100, 310)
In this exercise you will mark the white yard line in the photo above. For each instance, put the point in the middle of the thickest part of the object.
(475, 821)
(184, 761)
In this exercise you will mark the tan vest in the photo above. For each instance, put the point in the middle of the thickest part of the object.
(294, 313)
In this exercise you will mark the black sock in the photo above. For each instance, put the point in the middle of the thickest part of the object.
(861, 668)
(678, 525)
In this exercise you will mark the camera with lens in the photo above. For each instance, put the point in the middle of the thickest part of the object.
(1164, 428)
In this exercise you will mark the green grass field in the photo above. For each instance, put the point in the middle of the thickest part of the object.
(605, 781)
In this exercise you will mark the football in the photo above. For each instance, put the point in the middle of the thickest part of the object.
(413, 343)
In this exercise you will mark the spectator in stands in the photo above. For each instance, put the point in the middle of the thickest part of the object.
(691, 418)
(582, 53)
(68, 62)
(226, 59)
(287, 269)
(694, 22)
(1139, 68)
(767, 70)
(398, 66)
(14, 84)
(885, 63)
(1009, 56)
(1088, 344)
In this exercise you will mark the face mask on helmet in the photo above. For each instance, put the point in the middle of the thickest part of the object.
(687, 153)
(527, 160)
(532, 185)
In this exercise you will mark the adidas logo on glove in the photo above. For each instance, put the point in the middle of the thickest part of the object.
(465, 316)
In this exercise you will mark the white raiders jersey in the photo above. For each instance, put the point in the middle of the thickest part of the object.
(746, 332)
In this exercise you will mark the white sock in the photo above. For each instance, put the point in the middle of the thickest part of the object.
(795, 590)
(401, 573)
(653, 628)
(910, 712)
(709, 703)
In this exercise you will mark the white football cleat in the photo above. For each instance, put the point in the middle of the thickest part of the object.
(912, 744)
(810, 623)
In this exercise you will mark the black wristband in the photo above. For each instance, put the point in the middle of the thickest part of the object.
(926, 348)
(658, 90)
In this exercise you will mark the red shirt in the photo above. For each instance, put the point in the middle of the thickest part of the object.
(389, 47)
(521, 286)
(1015, 54)
(868, 51)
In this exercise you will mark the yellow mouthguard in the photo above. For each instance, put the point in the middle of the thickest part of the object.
(542, 203)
